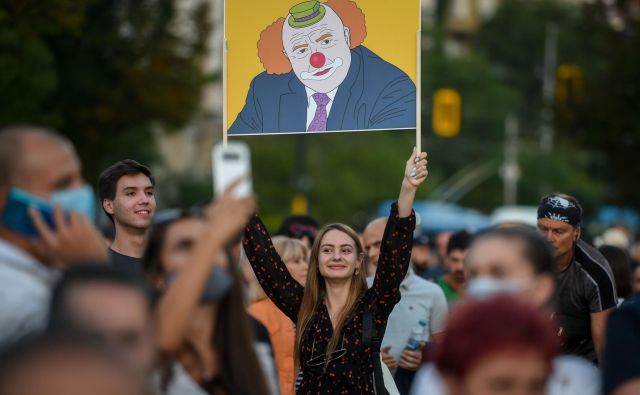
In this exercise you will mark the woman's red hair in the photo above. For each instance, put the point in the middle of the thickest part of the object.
(271, 51)
(478, 329)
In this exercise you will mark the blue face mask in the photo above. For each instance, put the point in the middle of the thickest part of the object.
(16, 211)
(484, 287)
(80, 199)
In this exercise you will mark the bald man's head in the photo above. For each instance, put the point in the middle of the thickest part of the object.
(15, 145)
(38, 162)
(372, 237)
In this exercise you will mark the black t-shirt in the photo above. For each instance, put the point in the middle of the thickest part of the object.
(585, 287)
(125, 263)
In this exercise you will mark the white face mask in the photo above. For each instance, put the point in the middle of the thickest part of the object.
(484, 287)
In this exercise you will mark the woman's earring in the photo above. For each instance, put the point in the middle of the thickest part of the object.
(356, 272)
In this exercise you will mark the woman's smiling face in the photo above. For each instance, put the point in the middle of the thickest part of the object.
(338, 256)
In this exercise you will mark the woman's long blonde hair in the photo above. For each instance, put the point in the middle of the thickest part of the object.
(315, 290)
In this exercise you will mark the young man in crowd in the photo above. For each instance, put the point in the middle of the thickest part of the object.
(39, 165)
(127, 194)
(586, 289)
(420, 300)
(453, 283)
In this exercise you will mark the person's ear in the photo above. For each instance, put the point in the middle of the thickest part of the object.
(577, 233)
(107, 205)
(347, 36)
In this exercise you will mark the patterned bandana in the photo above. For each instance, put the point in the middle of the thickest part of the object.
(560, 209)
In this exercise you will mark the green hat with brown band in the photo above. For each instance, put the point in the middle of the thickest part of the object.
(306, 14)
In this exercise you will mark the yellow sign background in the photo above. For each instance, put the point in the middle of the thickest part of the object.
(391, 34)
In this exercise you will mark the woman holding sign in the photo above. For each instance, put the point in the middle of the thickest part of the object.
(340, 322)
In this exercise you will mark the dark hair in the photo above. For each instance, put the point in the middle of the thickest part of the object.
(476, 329)
(536, 249)
(460, 240)
(620, 264)
(299, 226)
(233, 336)
(108, 180)
(234, 339)
(62, 318)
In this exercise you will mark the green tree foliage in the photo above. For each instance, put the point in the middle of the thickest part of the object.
(606, 119)
(513, 40)
(346, 175)
(518, 62)
(104, 72)
(486, 102)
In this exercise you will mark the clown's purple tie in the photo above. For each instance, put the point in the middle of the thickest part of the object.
(319, 121)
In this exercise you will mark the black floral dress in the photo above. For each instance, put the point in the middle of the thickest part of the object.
(350, 368)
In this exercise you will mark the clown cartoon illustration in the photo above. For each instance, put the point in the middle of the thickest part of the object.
(320, 77)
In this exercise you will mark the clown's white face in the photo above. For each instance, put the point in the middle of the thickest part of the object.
(319, 54)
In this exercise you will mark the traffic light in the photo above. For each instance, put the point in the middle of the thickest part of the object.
(299, 204)
(569, 84)
(446, 112)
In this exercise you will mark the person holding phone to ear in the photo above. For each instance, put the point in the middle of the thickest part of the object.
(340, 322)
(45, 223)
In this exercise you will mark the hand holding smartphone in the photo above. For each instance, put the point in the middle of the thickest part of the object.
(230, 163)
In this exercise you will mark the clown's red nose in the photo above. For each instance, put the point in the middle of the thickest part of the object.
(317, 60)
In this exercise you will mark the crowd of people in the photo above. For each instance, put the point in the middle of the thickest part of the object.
(204, 301)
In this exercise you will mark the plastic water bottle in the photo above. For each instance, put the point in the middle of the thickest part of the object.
(417, 336)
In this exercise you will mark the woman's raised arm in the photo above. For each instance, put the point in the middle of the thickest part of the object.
(225, 219)
(395, 248)
(271, 272)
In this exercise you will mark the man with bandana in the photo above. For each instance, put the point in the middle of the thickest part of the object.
(319, 77)
(586, 288)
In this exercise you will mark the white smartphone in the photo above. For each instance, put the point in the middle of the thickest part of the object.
(230, 163)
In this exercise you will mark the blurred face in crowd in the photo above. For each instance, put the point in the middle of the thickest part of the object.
(197, 356)
(134, 203)
(118, 314)
(506, 372)
(372, 240)
(298, 268)
(338, 257)
(70, 372)
(454, 263)
(561, 235)
(179, 242)
(421, 256)
(47, 165)
(503, 261)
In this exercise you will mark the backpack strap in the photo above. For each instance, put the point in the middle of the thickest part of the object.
(370, 339)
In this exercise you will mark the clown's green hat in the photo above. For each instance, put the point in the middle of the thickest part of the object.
(306, 14)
